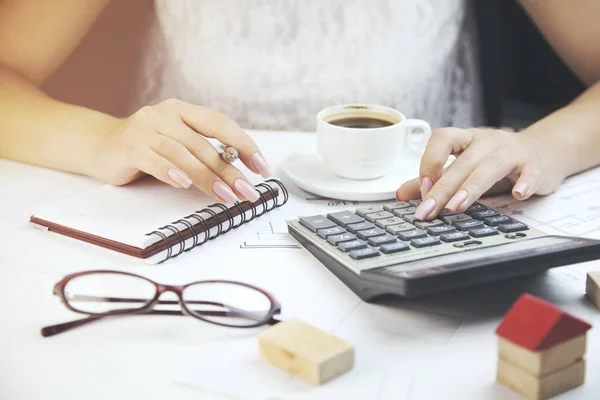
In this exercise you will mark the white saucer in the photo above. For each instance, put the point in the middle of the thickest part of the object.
(309, 172)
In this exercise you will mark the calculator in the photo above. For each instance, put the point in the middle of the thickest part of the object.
(387, 251)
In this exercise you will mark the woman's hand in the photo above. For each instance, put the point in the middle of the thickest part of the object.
(167, 141)
(488, 160)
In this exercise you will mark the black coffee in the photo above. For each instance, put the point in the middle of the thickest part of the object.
(361, 122)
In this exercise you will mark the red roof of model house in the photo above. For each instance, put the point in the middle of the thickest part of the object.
(538, 325)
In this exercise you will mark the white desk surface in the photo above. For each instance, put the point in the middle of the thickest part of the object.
(437, 347)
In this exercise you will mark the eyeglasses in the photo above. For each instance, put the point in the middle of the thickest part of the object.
(102, 294)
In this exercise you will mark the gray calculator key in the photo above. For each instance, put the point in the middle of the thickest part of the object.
(396, 229)
(484, 214)
(337, 239)
(438, 230)
(344, 218)
(372, 217)
(353, 245)
(394, 247)
(411, 219)
(452, 219)
(364, 253)
(415, 202)
(369, 233)
(325, 233)
(367, 210)
(381, 240)
(316, 222)
(456, 236)
(428, 224)
(468, 225)
(414, 234)
(445, 212)
(361, 226)
(475, 207)
(394, 206)
(513, 227)
(426, 241)
(384, 223)
(482, 232)
(497, 220)
(401, 212)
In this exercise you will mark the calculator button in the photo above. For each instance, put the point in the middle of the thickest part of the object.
(316, 222)
(513, 227)
(475, 207)
(414, 234)
(482, 232)
(452, 219)
(364, 253)
(378, 215)
(415, 202)
(454, 236)
(396, 229)
(411, 219)
(401, 212)
(484, 214)
(361, 226)
(428, 224)
(384, 223)
(394, 206)
(426, 242)
(438, 230)
(468, 243)
(353, 245)
(445, 212)
(467, 225)
(495, 221)
(337, 239)
(381, 240)
(394, 247)
(369, 233)
(367, 210)
(325, 233)
(344, 218)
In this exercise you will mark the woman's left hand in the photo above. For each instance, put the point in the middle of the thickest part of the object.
(488, 160)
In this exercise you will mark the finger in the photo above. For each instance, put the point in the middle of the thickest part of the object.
(451, 180)
(443, 143)
(147, 161)
(528, 183)
(490, 171)
(409, 190)
(504, 186)
(201, 176)
(214, 124)
(202, 150)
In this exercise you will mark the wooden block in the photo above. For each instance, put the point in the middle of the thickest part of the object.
(307, 352)
(542, 363)
(535, 388)
(592, 287)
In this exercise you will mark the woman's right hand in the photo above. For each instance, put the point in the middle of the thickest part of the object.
(168, 141)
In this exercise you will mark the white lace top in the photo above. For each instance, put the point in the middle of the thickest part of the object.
(273, 64)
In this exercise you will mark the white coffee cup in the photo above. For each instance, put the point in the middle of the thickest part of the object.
(355, 152)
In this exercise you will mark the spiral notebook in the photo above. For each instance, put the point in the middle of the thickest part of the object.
(151, 220)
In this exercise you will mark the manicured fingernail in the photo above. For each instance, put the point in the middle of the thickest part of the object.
(180, 178)
(224, 192)
(424, 209)
(457, 200)
(246, 190)
(426, 185)
(521, 188)
(261, 165)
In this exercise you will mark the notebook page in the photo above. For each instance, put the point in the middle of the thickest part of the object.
(126, 214)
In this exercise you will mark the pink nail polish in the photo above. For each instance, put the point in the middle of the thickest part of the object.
(521, 188)
(457, 200)
(180, 178)
(426, 185)
(261, 165)
(246, 190)
(224, 192)
(424, 209)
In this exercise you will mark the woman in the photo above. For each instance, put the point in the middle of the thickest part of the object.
(274, 64)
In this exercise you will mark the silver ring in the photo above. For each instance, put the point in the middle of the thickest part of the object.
(228, 153)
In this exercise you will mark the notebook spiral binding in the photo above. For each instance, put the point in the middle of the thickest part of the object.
(192, 221)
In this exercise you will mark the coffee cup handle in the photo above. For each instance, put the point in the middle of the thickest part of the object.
(416, 134)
